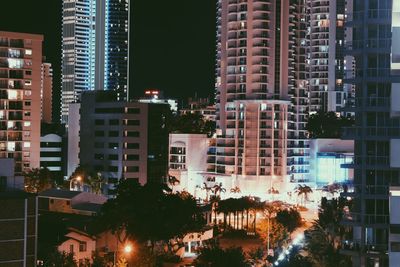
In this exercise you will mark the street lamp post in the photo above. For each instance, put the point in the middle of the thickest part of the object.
(127, 249)
(78, 178)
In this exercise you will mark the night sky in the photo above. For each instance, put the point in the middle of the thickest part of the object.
(172, 42)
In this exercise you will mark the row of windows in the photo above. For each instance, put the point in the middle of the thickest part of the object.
(116, 134)
(116, 145)
(100, 168)
(133, 157)
(117, 110)
(116, 122)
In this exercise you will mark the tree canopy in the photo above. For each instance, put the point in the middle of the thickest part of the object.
(327, 125)
(38, 180)
(191, 123)
(148, 213)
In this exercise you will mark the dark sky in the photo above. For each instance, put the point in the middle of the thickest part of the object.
(172, 42)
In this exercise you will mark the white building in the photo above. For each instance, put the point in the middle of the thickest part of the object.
(51, 152)
(328, 159)
(188, 161)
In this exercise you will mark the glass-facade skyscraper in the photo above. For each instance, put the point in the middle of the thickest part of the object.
(95, 41)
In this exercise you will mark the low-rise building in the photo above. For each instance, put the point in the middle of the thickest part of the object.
(75, 202)
(82, 244)
(328, 160)
(187, 162)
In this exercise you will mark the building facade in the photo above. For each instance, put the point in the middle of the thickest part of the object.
(47, 93)
(51, 153)
(187, 161)
(260, 112)
(327, 44)
(375, 26)
(20, 87)
(119, 139)
(95, 39)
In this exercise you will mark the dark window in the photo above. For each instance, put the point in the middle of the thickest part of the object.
(132, 145)
(132, 157)
(113, 157)
(113, 168)
(113, 122)
(99, 145)
(113, 133)
(50, 144)
(99, 133)
(99, 156)
(133, 110)
(82, 246)
(132, 168)
(131, 134)
(132, 122)
(68, 203)
(99, 122)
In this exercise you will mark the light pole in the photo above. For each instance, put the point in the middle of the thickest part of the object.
(78, 178)
(127, 250)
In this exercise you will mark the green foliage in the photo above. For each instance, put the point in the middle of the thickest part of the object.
(327, 125)
(147, 213)
(277, 232)
(58, 259)
(218, 257)
(289, 218)
(38, 180)
(191, 123)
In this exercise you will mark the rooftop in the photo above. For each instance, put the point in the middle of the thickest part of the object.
(56, 193)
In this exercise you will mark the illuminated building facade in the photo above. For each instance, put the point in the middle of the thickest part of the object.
(47, 92)
(94, 48)
(20, 87)
(261, 104)
(327, 59)
(376, 133)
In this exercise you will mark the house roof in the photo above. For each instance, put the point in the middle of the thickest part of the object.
(56, 193)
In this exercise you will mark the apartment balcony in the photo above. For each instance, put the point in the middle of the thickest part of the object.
(354, 247)
(354, 190)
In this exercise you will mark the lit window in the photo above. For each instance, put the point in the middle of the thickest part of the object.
(11, 146)
(28, 82)
(27, 123)
(27, 144)
(28, 93)
(28, 52)
(14, 63)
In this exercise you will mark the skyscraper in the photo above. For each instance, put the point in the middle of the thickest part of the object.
(94, 48)
(20, 86)
(327, 36)
(376, 77)
(260, 95)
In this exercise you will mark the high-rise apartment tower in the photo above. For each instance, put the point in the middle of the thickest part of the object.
(261, 95)
(20, 87)
(95, 44)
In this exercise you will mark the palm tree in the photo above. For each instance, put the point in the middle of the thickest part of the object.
(303, 191)
(235, 190)
(214, 202)
(172, 180)
(332, 188)
(207, 189)
(218, 189)
(95, 183)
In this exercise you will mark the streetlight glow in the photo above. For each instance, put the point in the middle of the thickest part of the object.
(128, 249)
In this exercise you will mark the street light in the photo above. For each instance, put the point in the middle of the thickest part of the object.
(78, 178)
(128, 249)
